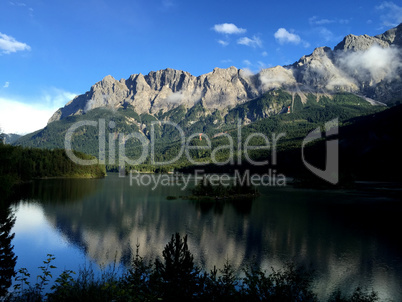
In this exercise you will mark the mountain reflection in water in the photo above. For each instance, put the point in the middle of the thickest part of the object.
(338, 233)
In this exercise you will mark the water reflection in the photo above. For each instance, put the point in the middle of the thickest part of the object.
(56, 191)
(330, 231)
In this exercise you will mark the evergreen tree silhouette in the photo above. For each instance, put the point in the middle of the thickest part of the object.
(7, 256)
(180, 278)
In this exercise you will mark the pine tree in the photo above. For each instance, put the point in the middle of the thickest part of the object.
(7, 256)
(180, 278)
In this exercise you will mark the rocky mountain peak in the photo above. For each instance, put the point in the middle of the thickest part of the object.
(226, 71)
(398, 36)
(359, 43)
(392, 36)
(108, 79)
(319, 54)
(353, 66)
(172, 78)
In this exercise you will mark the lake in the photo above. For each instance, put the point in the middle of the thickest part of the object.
(350, 237)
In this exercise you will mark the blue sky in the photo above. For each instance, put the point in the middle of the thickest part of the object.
(53, 50)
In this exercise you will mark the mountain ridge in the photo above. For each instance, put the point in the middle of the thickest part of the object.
(358, 64)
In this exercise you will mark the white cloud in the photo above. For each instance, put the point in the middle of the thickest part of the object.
(23, 6)
(8, 44)
(315, 21)
(223, 43)
(6, 85)
(246, 62)
(276, 77)
(264, 53)
(254, 42)
(340, 81)
(376, 63)
(56, 98)
(392, 13)
(251, 68)
(21, 118)
(175, 97)
(283, 36)
(326, 34)
(228, 28)
(17, 116)
(246, 72)
(17, 3)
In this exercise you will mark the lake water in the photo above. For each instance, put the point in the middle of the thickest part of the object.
(351, 238)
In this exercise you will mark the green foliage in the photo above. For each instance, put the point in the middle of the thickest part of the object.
(7, 256)
(297, 104)
(227, 283)
(89, 287)
(258, 285)
(25, 291)
(7, 182)
(357, 296)
(262, 115)
(177, 278)
(175, 115)
(137, 276)
(86, 138)
(291, 284)
(63, 285)
(26, 163)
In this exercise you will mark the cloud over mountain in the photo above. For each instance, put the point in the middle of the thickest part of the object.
(375, 63)
(359, 64)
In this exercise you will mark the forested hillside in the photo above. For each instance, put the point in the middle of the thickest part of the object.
(277, 111)
(19, 164)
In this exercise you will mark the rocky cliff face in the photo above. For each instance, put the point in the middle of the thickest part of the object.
(369, 66)
(166, 89)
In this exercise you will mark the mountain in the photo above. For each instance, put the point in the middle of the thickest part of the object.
(361, 76)
(364, 65)
(268, 114)
(10, 138)
(164, 90)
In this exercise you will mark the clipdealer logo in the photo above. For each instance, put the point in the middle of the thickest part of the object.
(237, 151)
(331, 171)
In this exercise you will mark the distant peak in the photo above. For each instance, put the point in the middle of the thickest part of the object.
(321, 50)
(108, 78)
(356, 43)
(231, 68)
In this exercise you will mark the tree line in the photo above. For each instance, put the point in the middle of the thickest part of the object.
(19, 164)
(175, 277)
